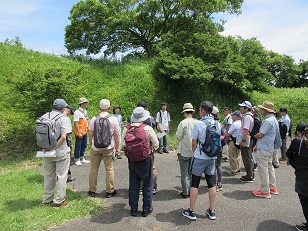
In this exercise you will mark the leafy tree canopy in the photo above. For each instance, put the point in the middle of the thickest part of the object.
(133, 24)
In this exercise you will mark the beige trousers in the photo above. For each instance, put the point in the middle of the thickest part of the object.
(55, 171)
(96, 157)
(266, 170)
(234, 157)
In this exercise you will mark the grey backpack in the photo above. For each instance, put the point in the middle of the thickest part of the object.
(102, 135)
(45, 130)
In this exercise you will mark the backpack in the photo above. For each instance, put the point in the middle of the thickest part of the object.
(277, 141)
(102, 135)
(136, 143)
(45, 130)
(212, 143)
(256, 126)
(283, 130)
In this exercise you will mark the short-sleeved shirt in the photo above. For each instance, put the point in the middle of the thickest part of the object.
(114, 127)
(119, 118)
(62, 126)
(227, 120)
(198, 133)
(269, 127)
(247, 122)
(163, 117)
(81, 116)
(286, 120)
(235, 128)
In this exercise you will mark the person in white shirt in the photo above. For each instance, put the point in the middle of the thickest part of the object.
(285, 119)
(184, 149)
(163, 122)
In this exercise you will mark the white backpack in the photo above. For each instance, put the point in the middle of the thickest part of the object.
(45, 130)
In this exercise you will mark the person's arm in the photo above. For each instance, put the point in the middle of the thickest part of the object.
(244, 137)
(90, 137)
(179, 132)
(153, 138)
(76, 127)
(193, 145)
(116, 141)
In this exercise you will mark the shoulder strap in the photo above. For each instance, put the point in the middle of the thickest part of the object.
(86, 115)
(300, 145)
(160, 117)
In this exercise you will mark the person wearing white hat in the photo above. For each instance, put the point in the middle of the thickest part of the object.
(81, 121)
(184, 150)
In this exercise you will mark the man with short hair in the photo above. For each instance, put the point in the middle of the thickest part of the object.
(56, 168)
(184, 150)
(246, 128)
(105, 154)
(285, 119)
(163, 122)
(227, 123)
(81, 129)
(264, 149)
(202, 163)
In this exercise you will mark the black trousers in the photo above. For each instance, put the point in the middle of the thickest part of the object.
(304, 202)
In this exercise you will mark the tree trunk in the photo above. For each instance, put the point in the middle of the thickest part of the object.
(149, 49)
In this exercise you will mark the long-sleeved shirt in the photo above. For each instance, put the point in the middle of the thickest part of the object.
(183, 136)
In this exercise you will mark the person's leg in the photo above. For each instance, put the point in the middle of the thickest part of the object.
(134, 184)
(304, 202)
(160, 148)
(275, 161)
(165, 148)
(83, 146)
(263, 159)
(62, 167)
(49, 180)
(185, 173)
(233, 157)
(247, 160)
(146, 174)
(108, 161)
(218, 169)
(271, 171)
(77, 150)
(194, 192)
(96, 158)
(283, 149)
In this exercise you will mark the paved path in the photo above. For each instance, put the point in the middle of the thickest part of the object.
(237, 209)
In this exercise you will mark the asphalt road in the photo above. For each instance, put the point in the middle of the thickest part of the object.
(237, 209)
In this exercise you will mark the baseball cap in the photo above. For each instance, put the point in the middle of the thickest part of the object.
(245, 104)
(104, 104)
(59, 104)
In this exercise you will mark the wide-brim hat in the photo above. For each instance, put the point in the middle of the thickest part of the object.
(268, 106)
(139, 115)
(188, 107)
(83, 100)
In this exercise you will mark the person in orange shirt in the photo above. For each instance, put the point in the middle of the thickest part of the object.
(81, 121)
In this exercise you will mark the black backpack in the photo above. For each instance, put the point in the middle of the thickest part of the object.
(102, 136)
(256, 126)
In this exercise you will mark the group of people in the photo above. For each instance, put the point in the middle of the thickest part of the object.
(237, 136)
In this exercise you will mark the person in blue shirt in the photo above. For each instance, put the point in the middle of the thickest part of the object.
(201, 163)
(285, 120)
(116, 113)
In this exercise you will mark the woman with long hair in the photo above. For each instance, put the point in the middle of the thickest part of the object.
(298, 158)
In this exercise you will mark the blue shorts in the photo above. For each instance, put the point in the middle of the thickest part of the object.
(199, 166)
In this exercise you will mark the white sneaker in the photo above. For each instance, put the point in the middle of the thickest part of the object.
(84, 161)
(78, 163)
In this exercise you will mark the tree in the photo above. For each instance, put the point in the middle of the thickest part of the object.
(133, 24)
(302, 80)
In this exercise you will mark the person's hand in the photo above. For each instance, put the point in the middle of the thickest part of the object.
(242, 144)
(117, 151)
(255, 148)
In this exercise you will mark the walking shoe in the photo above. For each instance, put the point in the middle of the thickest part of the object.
(255, 166)
(109, 195)
(63, 204)
(155, 191)
(183, 195)
(78, 163)
(218, 188)
(301, 228)
(211, 214)
(166, 151)
(133, 212)
(259, 193)
(70, 179)
(244, 179)
(160, 152)
(91, 194)
(119, 157)
(48, 203)
(189, 214)
(225, 159)
(274, 191)
(231, 173)
(146, 212)
(84, 161)
(283, 161)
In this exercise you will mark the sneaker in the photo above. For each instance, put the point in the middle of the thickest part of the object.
(78, 163)
(70, 179)
(189, 214)
(274, 191)
(166, 151)
(301, 227)
(183, 195)
(133, 212)
(283, 161)
(160, 152)
(91, 194)
(211, 214)
(119, 157)
(218, 188)
(244, 179)
(238, 172)
(255, 166)
(63, 204)
(84, 161)
(155, 191)
(259, 193)
(145, 213)
(109, 195)
(231, 173)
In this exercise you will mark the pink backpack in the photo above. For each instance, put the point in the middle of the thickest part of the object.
(136, 143)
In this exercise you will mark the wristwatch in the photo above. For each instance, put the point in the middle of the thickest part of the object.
(243, 140)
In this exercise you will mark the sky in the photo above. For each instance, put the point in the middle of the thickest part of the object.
(280, 25)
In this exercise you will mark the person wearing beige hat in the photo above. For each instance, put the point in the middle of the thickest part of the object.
(264, 150)
(81, 129)
(184, 149)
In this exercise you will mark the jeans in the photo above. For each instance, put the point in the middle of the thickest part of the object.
(185, 173)
(163, 142)
(140, 171)
(80, 147)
